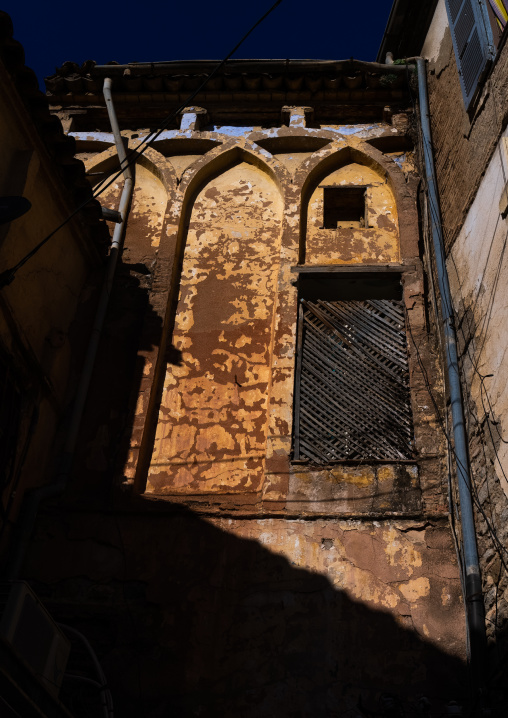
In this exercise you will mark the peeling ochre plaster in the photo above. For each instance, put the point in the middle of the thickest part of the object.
(149, 203)
(181, 162)
(292, 160)
(211, 433)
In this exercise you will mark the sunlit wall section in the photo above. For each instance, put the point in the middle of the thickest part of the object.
(211, 432)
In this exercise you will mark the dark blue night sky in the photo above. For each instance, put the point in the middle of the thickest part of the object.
(55, 31)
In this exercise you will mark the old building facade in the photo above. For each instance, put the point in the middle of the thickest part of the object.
(256, 521)
(252, 567)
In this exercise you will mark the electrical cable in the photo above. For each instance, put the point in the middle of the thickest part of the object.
(474, 362)
(13, 711)
(8, 276)
(149, 139)
(14, 483)
(106, 698)
(495, 538)
(454, 517)
(499, 548)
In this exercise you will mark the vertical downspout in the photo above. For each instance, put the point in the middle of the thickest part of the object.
(32, 503)
(475, 611)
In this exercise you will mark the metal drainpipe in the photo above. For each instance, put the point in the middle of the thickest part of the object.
(475, 611)
(33, 501)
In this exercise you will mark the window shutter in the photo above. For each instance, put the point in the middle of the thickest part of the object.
(352, 391)
(470, 42)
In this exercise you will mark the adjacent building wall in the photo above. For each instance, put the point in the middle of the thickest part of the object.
(472, 170)
(40, 353)
(260, 617)
(463, 143)
(477, 264)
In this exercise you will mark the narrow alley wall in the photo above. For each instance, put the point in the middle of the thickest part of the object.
(472, 171)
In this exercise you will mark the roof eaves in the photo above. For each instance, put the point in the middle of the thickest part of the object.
(406, 29)
(73, 82)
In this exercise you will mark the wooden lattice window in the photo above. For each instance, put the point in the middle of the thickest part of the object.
(352, 398)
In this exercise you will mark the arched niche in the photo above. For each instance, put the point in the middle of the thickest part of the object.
(348, 210)
(218, 160)
(153, 180)
(211, 428)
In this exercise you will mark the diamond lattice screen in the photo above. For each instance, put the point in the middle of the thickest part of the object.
(352, 396)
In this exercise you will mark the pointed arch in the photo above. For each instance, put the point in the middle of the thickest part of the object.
(152, 160)
(217, 162)
(159, 166)
(220, 159)
(348, 151)
(221, 317)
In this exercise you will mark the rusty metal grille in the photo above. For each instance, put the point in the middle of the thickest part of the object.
(352, 397)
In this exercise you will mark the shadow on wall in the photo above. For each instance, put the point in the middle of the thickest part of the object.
(132, 329)
(130, 337)
(190, 620)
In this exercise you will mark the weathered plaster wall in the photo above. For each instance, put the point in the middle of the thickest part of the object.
(181, 162)
(64, 263)
(292, 160)
(258, 618)
(476, 265)
(436, 33)
(212, 424)
(270, 483)
(377, 242)
(126, 353)
(472, 174)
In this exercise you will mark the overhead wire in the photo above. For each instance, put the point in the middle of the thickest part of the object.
(146, 142)
(482, 330)
(459, 326)
(7, 276)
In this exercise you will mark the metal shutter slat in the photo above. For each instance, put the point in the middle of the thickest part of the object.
(472, 41)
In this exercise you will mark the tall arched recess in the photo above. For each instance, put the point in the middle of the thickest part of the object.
(211, 428)
(350, 208)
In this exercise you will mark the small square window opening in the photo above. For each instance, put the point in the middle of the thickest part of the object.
(344, 207)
